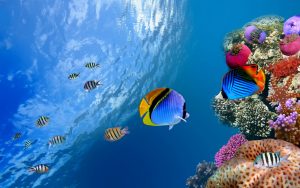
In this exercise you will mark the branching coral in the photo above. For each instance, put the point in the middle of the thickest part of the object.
(203, 172)
(240, 172)
(285, 67)
(281, 93)
(287, 125)
(227, 151)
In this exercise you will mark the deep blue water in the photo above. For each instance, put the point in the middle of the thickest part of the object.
(140, 45)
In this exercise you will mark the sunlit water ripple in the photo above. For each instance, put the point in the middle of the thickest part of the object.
(136, 42)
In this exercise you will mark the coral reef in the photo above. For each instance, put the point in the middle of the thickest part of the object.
(265, 53)
(250, 115)
(240, 171)
(227, 151)
(203, 171)
(273, 113)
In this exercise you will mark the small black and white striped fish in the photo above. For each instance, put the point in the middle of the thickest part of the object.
(56, 140)
(269, 159)
(116, 133)
(90, 85)
(17, 136)
(41, 168)
(27, 144)
(42, 121)
(73, 76)
(91, 65)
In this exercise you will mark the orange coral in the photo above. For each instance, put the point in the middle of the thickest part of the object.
(282, 94)
(239, 172)
(284, 67)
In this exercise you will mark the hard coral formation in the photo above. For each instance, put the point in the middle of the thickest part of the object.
(252, 118)
(241, 173)
(227, 151)
(203, 171)
(284, 67)
(250, 115)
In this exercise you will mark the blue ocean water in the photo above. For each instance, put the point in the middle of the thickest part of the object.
(140, 45)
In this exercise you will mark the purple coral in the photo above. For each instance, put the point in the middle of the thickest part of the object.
(227, 151)
(283, 121)
(253, 34)
(292, 25)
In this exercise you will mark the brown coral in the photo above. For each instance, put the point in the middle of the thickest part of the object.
(239, 172)
(284, 67)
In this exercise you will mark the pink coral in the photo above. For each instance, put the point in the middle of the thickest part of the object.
(290, 45)
(227, 151)
(238, 56)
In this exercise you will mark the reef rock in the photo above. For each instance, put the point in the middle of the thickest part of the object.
(240, 172)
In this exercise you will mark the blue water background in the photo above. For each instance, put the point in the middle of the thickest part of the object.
(39, 47)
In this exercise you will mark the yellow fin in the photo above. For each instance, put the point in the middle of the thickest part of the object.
(144, 107)
(147, 120)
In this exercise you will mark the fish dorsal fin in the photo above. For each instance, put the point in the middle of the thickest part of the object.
(250, 69)
(153, 94)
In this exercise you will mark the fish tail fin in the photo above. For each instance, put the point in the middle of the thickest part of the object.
(285, 158)
(97, 65)
(143, 108)
(125, 130)
(31, 169)
(99, 83)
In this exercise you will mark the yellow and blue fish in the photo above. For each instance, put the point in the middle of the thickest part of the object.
(163, 107)
(243, 82)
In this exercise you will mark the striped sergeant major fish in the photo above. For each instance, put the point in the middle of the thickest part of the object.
(73, 76)
(116, 133)
(56, 140)
(42, 121)
(91, 65)
(92, 84)
(41, 168)
(27, 144)
(269, 159)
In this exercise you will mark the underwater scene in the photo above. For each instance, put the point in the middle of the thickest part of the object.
(149, 94)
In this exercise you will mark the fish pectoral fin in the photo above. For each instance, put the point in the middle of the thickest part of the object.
(181, 118)
(144, 107)
(171, 127)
